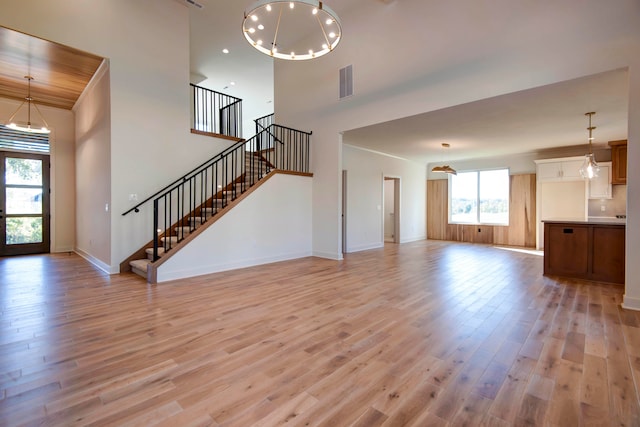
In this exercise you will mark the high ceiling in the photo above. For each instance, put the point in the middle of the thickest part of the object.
(59, 73)
(527, 121)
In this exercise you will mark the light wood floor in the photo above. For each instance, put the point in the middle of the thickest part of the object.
(421, 334)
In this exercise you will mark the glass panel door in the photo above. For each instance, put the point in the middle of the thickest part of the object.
(24, 203)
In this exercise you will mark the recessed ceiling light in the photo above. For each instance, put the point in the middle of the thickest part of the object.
(225, 50)
(232, 83)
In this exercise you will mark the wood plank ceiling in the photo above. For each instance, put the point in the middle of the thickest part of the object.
(60, 73)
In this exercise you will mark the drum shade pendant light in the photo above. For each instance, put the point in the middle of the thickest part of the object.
(444, 168)
(27, 127)
(590, 168)
(292, 30)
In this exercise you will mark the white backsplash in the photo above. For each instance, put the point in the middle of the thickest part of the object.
(617, 205)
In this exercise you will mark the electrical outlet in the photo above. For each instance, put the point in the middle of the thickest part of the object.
(603, 208)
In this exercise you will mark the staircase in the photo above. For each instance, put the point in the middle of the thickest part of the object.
(188, 205)
(256, 166)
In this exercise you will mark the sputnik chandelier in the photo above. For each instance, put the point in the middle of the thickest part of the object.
(292, 30)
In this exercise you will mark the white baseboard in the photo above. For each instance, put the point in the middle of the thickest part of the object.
(366, 247)
(328, 255)
(217, 268)
(96, 262)
(413, 239)
(630, 303)
(62, 250)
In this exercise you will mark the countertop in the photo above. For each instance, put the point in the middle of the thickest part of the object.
(590, 220)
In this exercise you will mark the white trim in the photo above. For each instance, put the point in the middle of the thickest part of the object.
(328, 255)
(630, 303)
(413, 239)
(366, 247)
(216, 268)
(102, 69)
(380, 153)
(96, 262)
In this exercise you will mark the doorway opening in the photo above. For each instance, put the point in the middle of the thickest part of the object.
(391, 210)
(24, 203)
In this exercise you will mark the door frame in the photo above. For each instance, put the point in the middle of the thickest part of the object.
(27, 248)
(396, 206)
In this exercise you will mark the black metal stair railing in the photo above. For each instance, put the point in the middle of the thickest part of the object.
(198, 195)
(216, 112)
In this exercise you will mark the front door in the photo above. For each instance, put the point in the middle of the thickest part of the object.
(24, 203)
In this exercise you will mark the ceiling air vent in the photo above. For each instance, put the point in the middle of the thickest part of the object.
(346, 81)
(193, 3)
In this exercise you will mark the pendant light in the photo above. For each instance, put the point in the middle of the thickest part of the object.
(590, 168)
(444, 168)
(27, 127)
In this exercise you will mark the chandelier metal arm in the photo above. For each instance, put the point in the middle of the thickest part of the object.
(275, 36)
(40, 114)
(324, 33)
(16, 112)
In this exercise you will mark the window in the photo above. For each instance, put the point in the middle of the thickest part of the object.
(479, 197)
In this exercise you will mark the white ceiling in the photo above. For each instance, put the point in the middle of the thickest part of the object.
(526, 121)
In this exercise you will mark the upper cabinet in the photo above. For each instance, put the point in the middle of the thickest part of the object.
(600, 186)
(618, 161)
(564, 169)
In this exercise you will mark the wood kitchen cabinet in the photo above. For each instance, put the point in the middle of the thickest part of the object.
(585, 250)
(618, 161)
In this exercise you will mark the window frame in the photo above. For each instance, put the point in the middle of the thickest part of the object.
(477, 219)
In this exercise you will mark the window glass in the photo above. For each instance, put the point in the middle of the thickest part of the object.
(479, 197)
(494, 196)
(464, 197)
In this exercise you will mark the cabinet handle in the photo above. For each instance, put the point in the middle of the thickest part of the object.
(567, 230)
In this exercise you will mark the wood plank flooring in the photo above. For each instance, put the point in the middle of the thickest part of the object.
(421, 334)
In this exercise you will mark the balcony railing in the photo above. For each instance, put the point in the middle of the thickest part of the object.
(215, 112)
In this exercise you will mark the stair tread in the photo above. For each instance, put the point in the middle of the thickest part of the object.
(140, 264)
(150, 251)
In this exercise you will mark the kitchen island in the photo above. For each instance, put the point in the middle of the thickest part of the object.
(585, 249)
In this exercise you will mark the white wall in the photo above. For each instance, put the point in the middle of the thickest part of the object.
(272, 224)
(415, 65)
(93, 170)
(147, 44)
(365, 181)
(62, 171)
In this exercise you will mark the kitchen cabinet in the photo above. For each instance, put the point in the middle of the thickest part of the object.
(618, 161)
(563, 169)
(600, 186)
(589, 250)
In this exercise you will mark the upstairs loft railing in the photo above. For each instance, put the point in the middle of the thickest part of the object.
(215, 112)
(195, 197)
(263, 122)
